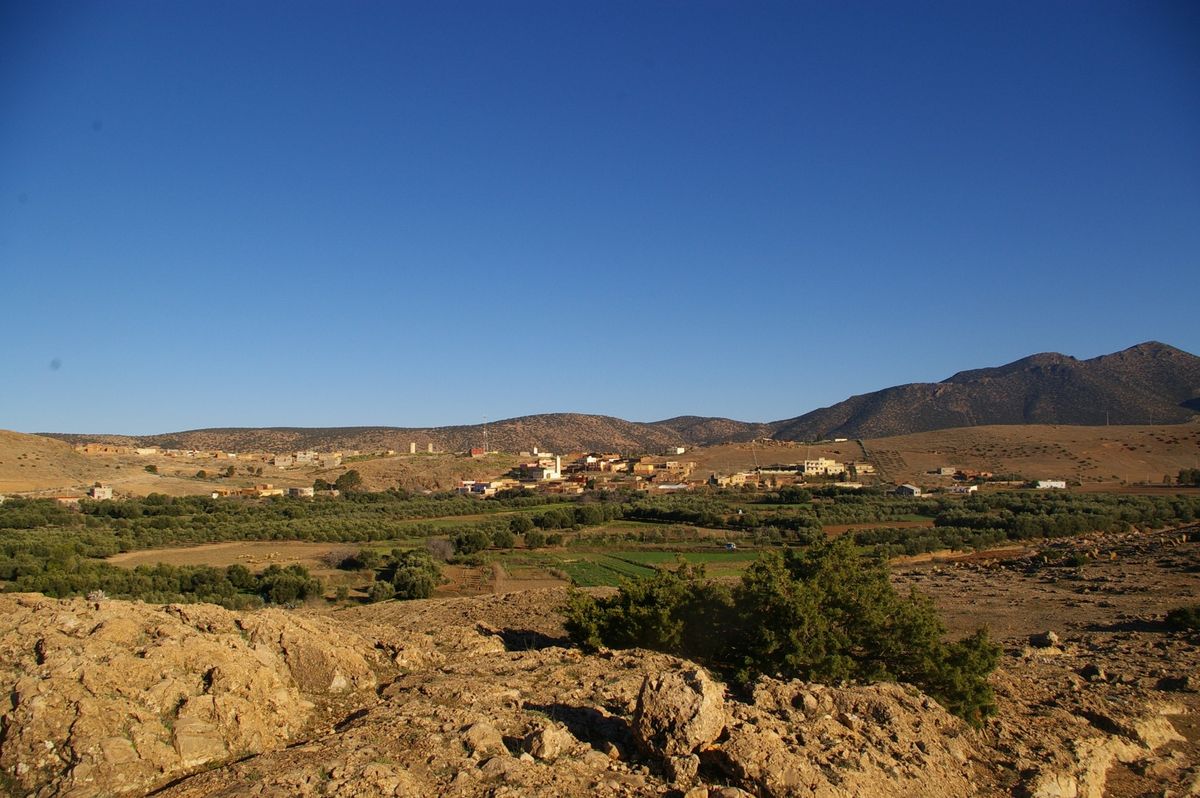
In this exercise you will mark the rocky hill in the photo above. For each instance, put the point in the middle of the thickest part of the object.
(1148, 383)
(550, 432)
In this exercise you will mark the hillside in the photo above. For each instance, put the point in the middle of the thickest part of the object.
(32, 462)
(549, 432)
(1092, 456)
(1147, 383)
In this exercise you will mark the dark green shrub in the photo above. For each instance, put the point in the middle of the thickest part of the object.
(471, 541)
(380, 591)
(416, 575)
(823, 615)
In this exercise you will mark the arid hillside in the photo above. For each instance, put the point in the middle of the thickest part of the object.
(549, 432)
(1095, 457)
(33, 462)
(1144, 384)
(1092, 456)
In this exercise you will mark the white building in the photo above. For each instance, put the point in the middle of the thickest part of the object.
(1046, 484)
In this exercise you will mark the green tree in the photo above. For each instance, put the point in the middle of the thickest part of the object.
(380, 591)
(503, 539)
(151, 469)
(471, 541)
(535, 539)
(416, 575)
(348, 481)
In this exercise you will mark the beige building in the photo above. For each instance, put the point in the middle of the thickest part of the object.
(823, 467)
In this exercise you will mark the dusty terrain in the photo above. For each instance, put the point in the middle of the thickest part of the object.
(478, 696)
(40, 466)
(1097, 457)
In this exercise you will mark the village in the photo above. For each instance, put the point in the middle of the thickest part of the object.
(665, 472)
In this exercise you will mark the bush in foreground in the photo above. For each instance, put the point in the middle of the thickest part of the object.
(825, 614)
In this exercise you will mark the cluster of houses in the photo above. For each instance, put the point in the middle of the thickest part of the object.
(307, 458)
(777, 476)
(961, 475)
(579, 471)
(575, 472)
(267, 489)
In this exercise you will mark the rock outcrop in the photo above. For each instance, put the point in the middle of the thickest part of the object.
(114, 697)
(428, 698)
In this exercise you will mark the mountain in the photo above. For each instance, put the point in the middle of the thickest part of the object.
(1150, 382)
(1145, 383)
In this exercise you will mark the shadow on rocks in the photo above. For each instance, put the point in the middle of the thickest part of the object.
(528, 639)
(589, 725)
(1131, 625)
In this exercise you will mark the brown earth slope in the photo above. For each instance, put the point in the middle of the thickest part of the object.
(549, 432)
(1143, 384)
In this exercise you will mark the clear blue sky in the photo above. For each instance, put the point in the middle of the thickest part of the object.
(318, 214)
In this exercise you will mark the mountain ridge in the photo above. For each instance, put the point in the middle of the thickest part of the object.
(1150, 381)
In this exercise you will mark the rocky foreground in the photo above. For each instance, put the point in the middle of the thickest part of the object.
(474, 697)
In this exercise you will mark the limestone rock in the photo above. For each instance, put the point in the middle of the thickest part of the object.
(679, 712)
(682, 770)
(115, 697)
(1047, 639)
(482, 739)
(549, 742)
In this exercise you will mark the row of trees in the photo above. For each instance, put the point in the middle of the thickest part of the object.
(1188, 476)
(234, 587)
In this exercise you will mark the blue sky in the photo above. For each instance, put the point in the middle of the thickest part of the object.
(326, 214)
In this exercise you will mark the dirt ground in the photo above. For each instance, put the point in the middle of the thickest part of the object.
(1128, 582)
(255, 555)
(1103, 458)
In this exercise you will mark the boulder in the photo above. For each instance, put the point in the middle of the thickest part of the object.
(1045, 639)
(482, 739)
(549, 742)
(679, 712)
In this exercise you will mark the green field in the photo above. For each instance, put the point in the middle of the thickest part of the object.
(589, 568)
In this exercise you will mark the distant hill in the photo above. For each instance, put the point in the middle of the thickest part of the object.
(558, 432)
(1150, 382)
